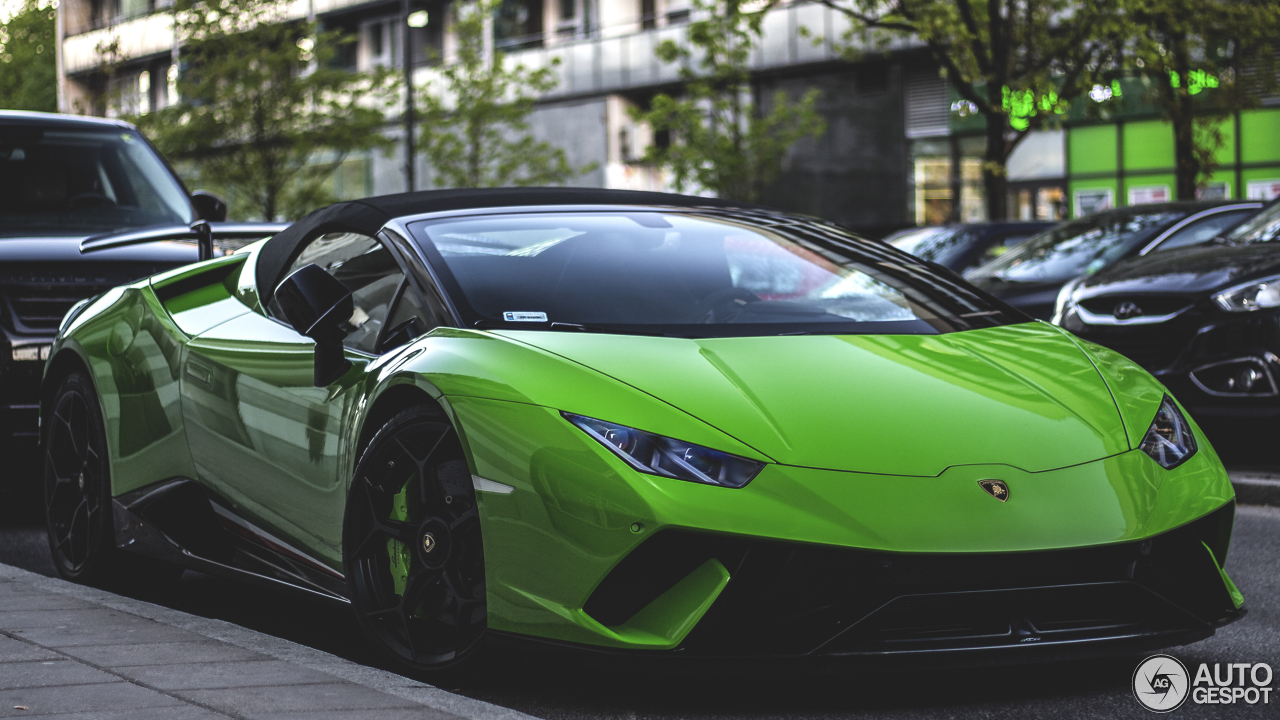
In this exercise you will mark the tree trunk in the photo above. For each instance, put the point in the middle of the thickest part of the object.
(1188, 166)
(995, 178)
(1182, 115)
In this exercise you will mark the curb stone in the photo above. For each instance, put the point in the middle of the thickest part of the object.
(278, 648)
(1256, 488)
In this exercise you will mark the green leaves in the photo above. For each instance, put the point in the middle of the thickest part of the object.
(720, 138)
(475, 128)
(27, 59)
(260, 100)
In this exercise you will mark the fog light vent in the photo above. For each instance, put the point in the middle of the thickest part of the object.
(1236, 378)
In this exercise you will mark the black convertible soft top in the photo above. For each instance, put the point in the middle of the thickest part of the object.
(367, 216)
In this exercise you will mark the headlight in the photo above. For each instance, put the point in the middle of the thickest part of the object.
(1169, 440)
(1255, 295)
(1065, 300)
(667, 457)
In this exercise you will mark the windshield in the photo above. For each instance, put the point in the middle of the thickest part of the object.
(79, 182)
(691, 274)
(1263, 227)
(1080, 247)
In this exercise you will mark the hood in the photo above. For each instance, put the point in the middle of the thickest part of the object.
(1190, 270)
(1022, 395)
(67, 249)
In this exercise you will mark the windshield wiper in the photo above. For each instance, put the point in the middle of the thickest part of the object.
(558, 327)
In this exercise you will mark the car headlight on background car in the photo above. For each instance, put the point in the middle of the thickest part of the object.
(668, 457)
(1254, 295)
(1169, 440)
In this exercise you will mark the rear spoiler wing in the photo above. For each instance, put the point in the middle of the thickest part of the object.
(202, 232)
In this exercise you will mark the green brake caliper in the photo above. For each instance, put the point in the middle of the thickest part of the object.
(398, 551)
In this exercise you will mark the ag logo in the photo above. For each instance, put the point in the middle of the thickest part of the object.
(996, 489)
(1160, 683)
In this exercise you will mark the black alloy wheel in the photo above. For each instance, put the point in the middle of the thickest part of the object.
(411, 546)
(77, 484)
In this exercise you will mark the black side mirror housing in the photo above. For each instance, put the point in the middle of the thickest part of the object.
(316, 305)
(208, 206)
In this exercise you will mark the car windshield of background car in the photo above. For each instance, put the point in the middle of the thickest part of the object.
(1081, 247)
(910, 240)
(943, 246)
(1263, 227)
(63, 182)
(701, 274)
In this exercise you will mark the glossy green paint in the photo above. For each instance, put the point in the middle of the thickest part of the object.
(551, 541)
(133, 351)
(874, 442)
(1237, 598)
(264, 437)
(899, 404)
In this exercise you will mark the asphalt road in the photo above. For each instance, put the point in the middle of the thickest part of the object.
(600, 690)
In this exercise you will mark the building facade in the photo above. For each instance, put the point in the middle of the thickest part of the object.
(894, 154)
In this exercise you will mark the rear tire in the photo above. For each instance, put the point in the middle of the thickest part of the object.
(77, 484)
(412, 548)
(77, 497)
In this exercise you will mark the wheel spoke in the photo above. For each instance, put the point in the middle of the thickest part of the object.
(438, 611)
(464, 518)
(78, 425)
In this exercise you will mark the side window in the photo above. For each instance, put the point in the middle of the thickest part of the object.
(367, 269)
(408, 321)
(1202, 231)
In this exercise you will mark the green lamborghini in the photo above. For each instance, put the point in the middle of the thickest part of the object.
(637, 423)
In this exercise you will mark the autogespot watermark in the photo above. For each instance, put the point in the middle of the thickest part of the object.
(1162, 684)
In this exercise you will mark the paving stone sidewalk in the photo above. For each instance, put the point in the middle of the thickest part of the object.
(70, 651)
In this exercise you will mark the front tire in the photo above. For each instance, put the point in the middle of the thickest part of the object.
(412, 548)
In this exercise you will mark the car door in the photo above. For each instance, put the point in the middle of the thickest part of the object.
(262, 436)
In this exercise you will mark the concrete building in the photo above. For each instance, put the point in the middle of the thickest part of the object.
(894, 153)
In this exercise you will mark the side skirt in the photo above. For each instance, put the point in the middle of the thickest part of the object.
(179, 521)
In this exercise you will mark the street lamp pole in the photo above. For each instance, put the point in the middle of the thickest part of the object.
(408, 94)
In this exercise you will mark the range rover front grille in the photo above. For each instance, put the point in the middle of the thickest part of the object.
(35, 299)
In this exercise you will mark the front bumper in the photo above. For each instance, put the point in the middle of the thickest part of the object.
(22, 361)
(816, 563)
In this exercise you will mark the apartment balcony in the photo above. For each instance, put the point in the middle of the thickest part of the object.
(610, 63)
(138, 37)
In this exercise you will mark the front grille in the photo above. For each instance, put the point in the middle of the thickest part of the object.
(36, 298)
(1148, 304)
(1154, 347)
(797, 599)
(43, 307)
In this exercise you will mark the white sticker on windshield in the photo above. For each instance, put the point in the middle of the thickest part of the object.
(524, 316)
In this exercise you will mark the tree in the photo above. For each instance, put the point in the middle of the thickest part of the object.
(1185, 47)
(28, 77)
(475, 127)
(259, 98)
(1018, 63)
(719, 137)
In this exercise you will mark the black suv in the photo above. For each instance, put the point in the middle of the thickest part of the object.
(64, 179)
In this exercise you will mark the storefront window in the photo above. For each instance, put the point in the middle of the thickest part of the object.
(973, 194)
(932, 194)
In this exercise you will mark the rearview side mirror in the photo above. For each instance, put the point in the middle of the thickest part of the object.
(209, 207)
(316, 305)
